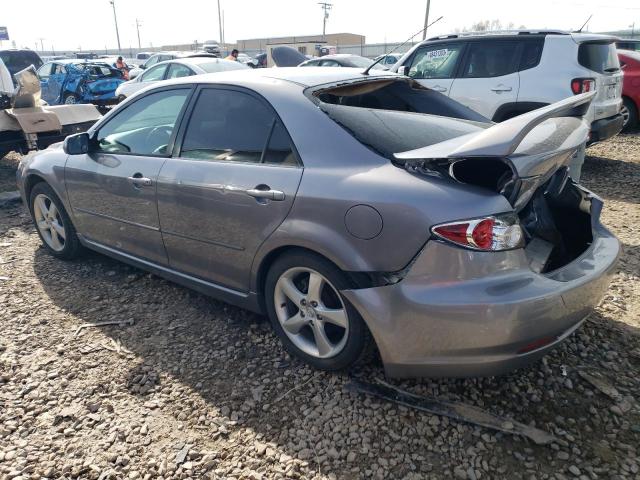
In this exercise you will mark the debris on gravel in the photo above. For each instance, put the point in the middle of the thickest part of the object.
(171, 384)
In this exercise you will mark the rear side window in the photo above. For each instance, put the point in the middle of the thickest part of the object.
(232, 126)
(599, 57)
(177, 70)
(531, 53)
(490, 59)
(153, 74)
(435, 61)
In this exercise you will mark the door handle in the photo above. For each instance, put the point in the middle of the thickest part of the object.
(438, 88)
(276, 195)
(501, 88)
(138, 180)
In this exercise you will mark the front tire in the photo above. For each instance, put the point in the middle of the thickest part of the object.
(629, 113)
(53, 223)
(312, 319)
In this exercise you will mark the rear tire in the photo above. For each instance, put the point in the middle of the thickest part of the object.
(322, 328)
(52, 223)
(71, 99)
(630, 114)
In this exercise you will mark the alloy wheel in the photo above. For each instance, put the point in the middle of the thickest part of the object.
(49, 222)
(624, 111)
(70, 100)
(311, 312)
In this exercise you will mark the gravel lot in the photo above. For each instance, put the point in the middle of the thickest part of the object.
(188, 387)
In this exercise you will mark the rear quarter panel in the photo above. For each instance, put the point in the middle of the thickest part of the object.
(339, 173)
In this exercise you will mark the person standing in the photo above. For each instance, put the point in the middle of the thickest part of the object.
(233, 56)
(123, 67)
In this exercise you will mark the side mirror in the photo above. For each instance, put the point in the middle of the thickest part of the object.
(402, 70)
(76, 144)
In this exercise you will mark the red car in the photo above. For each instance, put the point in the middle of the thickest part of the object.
(630, 62)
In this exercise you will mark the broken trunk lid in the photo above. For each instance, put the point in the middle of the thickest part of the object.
(530, 142)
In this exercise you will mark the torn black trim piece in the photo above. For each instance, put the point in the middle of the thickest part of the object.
(455, 410)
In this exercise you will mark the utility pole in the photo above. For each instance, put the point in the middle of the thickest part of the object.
(633, 28)
(325, 8)
(220, 24)
(223, 28)
(41, 44)
(426, 20)
(138, 29)
(115, 19)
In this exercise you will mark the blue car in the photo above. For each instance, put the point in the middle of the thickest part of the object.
(79, 81)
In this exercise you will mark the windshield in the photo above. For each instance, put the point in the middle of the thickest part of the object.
(599, 57)
(19, 60)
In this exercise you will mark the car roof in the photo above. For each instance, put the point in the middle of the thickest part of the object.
(305, 77)
(578, 37)
(196, 60)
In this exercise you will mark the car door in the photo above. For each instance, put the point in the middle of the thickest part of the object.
(489, 76)
(112, 189)
(229, 185)
(434, 66)
(56, 82)
(44, 73)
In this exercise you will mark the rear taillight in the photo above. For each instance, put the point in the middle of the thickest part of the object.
(492, 234)
(582, 85)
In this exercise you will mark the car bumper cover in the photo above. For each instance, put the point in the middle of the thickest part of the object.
(606, 128)
(463, 313)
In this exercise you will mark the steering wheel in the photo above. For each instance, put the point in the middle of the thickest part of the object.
(159, 133)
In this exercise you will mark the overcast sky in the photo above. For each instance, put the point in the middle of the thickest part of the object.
(69, 24)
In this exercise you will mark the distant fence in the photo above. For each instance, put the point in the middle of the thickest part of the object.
(372, 50)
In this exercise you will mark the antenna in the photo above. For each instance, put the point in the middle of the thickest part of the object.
(366, 71)
(584, 24)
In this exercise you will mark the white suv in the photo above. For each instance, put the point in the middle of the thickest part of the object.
(501, 75)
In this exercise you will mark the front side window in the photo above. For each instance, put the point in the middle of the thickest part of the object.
(145, 126)
(176, 70)
(228, 125)
(152, 61)
(435, 61)
(45, 70)
(490, 59)
(154, 74)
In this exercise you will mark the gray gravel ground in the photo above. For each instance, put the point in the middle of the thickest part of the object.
(195, 388)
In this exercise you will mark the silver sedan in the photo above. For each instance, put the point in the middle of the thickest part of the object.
(354, 210)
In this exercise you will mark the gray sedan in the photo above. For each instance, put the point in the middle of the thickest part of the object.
(354, 210)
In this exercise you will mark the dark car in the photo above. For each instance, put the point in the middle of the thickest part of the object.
(628, 44)
(17, 60)
(79, 81)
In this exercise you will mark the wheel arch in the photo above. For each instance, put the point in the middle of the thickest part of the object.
(31, 181)
(513, 109)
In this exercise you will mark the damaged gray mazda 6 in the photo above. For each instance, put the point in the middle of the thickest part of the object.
(358, 211)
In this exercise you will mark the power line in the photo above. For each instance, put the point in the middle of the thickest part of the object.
(325, 8)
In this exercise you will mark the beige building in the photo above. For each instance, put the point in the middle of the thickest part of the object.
(333, 39)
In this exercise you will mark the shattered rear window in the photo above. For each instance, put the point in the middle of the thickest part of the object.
(391, 116)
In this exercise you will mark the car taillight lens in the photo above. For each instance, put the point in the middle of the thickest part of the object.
(582, 85)
(491, 234)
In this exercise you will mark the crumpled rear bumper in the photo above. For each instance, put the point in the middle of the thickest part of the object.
(464, 313)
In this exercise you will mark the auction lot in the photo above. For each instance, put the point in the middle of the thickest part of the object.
(188, 387)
